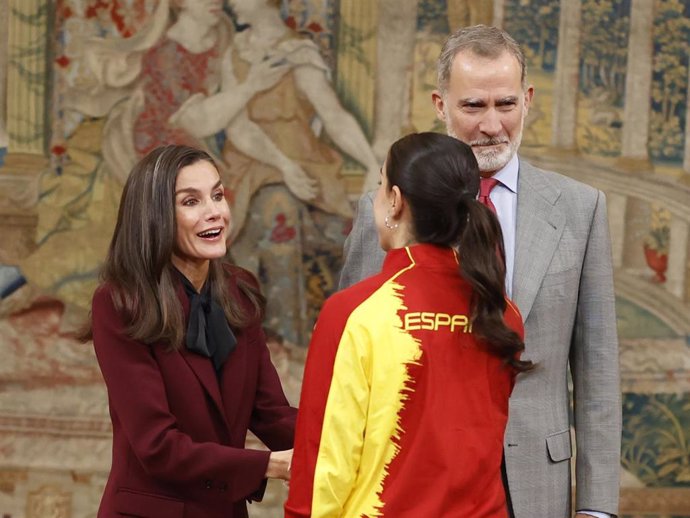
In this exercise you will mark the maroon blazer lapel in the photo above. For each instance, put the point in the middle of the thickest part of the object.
(203, 369)
(202, 366)
(234, 379)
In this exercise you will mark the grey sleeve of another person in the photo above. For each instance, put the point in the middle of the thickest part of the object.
(595, 369)
(363, 255)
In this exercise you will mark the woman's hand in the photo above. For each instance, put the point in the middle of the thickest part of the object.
(261, 76)
(267, 73)
(298, 181)
(279, 465)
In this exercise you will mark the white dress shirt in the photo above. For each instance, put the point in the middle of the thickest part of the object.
(504, 197)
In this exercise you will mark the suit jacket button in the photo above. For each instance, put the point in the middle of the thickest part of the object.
(208, 484)
(224, 486)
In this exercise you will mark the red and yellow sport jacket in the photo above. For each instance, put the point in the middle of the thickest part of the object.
(403, 411)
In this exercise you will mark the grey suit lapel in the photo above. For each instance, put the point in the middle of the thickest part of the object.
(540, 224)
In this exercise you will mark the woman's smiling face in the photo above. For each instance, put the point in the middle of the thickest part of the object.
(202, 215)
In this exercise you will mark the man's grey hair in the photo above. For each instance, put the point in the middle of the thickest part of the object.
(482, 40)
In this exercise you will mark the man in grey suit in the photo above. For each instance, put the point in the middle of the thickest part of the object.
(559, 273)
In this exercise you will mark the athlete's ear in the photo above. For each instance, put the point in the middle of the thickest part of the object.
(397, 201)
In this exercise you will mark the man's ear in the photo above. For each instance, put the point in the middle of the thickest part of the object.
(439, 104)
(529, 93)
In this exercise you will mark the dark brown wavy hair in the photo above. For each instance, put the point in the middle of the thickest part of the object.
(138, 266)
(439, 178)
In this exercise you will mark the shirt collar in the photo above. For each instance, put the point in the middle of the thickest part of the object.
(508, 176)
(421, 254)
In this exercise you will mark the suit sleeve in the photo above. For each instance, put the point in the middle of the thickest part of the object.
(331, 421)
(594, 363)
(139, 405)
(273, 419)
(362, 253)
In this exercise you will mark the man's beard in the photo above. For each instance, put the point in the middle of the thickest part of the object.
(490, 160)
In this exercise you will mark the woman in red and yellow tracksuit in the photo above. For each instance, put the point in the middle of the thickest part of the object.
(405, 395)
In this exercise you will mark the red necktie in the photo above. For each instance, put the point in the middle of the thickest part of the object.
(485, 187)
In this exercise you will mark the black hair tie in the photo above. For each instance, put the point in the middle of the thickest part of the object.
(466, 197)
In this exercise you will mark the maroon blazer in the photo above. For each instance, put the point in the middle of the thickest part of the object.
(179, 433)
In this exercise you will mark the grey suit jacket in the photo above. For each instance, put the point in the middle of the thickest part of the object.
(563, 286)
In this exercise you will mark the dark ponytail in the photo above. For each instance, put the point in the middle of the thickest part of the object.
(439, 179)
(482, 264)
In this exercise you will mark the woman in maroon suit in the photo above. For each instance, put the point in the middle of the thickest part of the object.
(177, 334)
